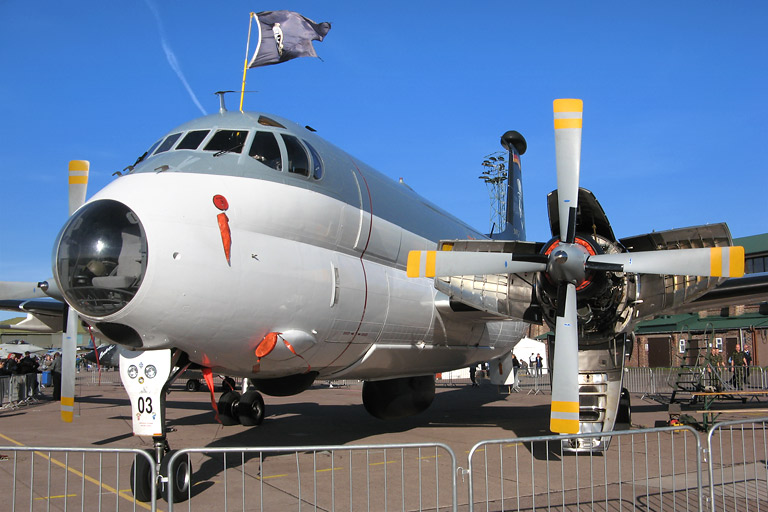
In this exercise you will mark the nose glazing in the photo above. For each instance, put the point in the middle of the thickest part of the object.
(100, 258)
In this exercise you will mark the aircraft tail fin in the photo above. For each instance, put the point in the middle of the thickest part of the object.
(515, 221)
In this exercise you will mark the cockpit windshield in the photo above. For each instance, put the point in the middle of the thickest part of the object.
(227, 141)
(267, 148)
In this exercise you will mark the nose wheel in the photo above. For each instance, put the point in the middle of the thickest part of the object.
(176, 477)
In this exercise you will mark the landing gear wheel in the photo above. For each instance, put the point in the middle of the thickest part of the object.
(250, 409)
(179, 478)
(193, 385)
(624, 414)
(142, 478)
(228, 407)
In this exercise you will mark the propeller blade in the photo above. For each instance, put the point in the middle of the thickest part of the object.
(564, 416)
(568, 117)
(68, 353)
(450, 263)
(78, 183)
(709, 261)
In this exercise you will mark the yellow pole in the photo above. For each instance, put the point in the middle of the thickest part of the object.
(247, 50)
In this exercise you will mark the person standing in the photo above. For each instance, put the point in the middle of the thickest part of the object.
(539, 365)
(28, 367)
(56, 375)
(472, 372)
(739, 367)
(515, 370)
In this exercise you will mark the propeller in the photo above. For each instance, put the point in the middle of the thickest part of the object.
(449, 263)
(566, 262)
(78, 184)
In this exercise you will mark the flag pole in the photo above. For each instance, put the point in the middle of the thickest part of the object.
(247, 51)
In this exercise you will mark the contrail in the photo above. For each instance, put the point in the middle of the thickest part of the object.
(172, 57)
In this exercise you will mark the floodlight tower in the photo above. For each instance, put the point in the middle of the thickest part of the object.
(495, 177)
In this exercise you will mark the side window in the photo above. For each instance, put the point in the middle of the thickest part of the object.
(298, 161)
(265, 150)
(153, 148)
(317, 162)
(192, 139)
(168, 143)
(227, 141)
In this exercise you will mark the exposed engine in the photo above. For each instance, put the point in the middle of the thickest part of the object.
(601, 298)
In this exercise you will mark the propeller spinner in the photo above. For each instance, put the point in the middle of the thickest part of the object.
(568, 262)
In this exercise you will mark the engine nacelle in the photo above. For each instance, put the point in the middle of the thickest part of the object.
(398, 398)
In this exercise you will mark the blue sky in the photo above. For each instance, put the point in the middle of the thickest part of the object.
(674, 96)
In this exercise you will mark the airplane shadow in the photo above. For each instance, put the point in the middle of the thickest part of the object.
(309, 423)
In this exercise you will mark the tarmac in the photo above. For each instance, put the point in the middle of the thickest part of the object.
(460, 417)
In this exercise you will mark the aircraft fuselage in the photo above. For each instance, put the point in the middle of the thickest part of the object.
(263, 227)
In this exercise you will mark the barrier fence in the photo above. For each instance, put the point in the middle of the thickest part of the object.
(367, 477)
(672, 468)
(644, 381)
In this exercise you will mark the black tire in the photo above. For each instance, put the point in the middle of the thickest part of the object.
(193, 385)
(179, 477)
(141, 485)
(624, 414)
(250, 409)
(228, 408)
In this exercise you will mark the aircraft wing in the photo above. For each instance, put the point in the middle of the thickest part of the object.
(43, 315)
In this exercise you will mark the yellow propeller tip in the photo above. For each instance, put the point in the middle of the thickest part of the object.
(568, 105)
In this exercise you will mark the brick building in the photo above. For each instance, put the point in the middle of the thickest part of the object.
(672, 340)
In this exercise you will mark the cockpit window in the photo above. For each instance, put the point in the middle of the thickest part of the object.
(192, 139)
(265, 149)
(298, 161)
(264, 120)
(317, 162)
(168, 143)
(227, 141)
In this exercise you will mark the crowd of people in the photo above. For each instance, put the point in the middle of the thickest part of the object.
(21, 376)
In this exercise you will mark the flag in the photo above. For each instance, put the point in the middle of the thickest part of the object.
(285, 35)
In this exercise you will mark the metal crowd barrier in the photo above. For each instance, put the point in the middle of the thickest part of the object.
(47, 478)
(649, 469)
(736, 463)
(363, 477)
(659, 381)
(19, 390)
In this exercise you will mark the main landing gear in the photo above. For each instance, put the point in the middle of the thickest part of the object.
(246, 409)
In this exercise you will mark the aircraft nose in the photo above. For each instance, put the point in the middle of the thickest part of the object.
(100, 258)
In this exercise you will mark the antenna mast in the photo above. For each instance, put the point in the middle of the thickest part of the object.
(495, 177)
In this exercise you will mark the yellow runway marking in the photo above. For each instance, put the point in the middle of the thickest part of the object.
(81, 475)
(54, 497)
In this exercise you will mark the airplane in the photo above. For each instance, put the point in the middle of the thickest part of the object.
(18, 347)
(244, 244)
